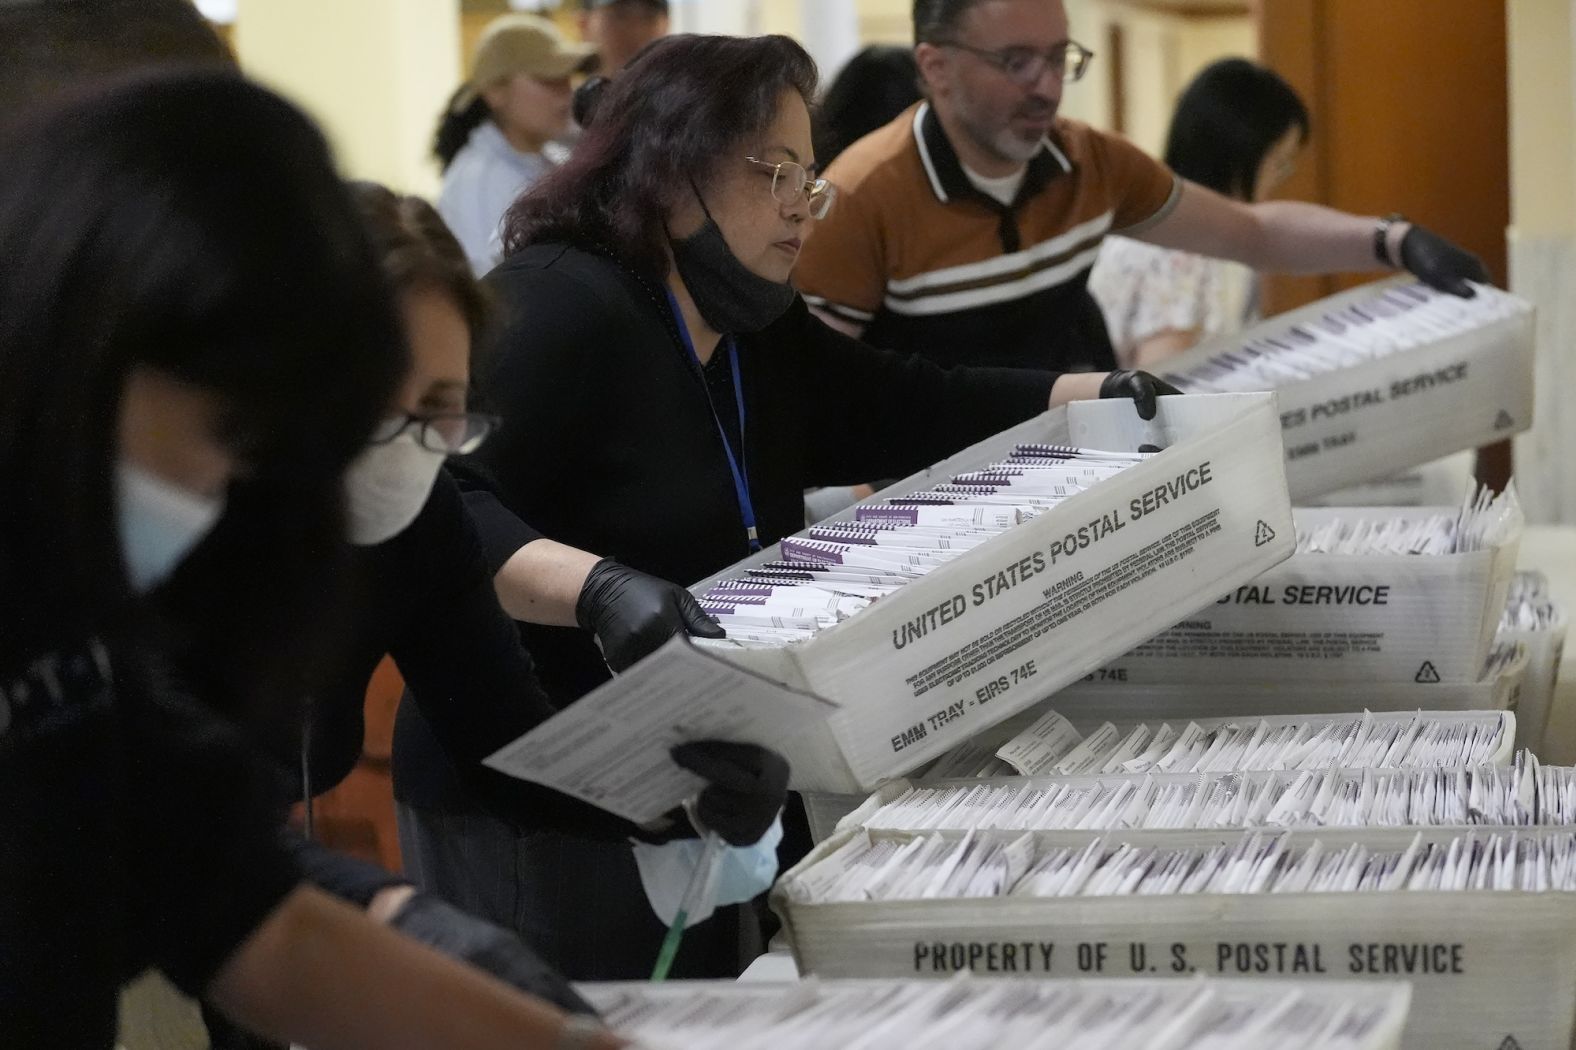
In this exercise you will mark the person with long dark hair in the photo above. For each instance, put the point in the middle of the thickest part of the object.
(872, 88)
(194, 342)
(1237, 130)
(497, 135)
(666, 397)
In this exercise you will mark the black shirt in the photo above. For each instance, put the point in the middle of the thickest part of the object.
(137, 830)
(426, 597)
(609, 444)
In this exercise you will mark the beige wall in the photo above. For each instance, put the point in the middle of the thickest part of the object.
(1163, 50)
(375, 73)
(1541, 241)
(1542, 170)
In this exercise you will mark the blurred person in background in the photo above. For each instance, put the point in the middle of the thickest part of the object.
(496, 137)
(620, 28)
(1238, 130)
(966, 228)
(871, 89)
(50, 45)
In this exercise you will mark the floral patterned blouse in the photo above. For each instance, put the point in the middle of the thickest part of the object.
(1144, 291)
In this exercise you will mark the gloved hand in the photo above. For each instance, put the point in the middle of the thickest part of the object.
(493, 949)
(747, 787)
(1142, 387)
(633, 614)
(1439, 264)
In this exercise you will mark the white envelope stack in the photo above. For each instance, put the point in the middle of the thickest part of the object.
(1372, 595)
(1534, 620)
(1379, 378)
(1043, 742)
(976, 588)
(1389, 740)
(986, 1014)
(1523, 793)
(1482, 921)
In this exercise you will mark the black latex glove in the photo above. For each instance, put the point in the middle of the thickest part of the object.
(747, 787)
(633, 614)
(1439, 264)
(498, 951)
(1142, 387)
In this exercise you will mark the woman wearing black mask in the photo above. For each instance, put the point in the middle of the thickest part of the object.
(667, 397)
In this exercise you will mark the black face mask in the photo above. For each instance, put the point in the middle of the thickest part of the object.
(728, 295)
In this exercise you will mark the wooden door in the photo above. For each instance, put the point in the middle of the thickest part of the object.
(1410, 108)
(1410, 113)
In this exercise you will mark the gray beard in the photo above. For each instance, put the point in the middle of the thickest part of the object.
(1014, 148)
(1002, 142)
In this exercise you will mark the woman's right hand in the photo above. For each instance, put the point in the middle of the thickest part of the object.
(746, 788)
(1142, 387)
(632, 614)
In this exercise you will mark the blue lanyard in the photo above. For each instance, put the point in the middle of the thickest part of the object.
(737, 465)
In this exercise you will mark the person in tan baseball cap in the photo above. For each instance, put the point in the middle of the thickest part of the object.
(496, 136)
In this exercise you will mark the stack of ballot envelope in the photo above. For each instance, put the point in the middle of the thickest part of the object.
(1380, 378)
(1535, 621)
(1523, 793)
(837, 569)
(1371, 595)
(1481, 920)
(985, 1014)
(969, 591)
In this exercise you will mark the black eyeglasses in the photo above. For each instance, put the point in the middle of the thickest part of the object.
(1025, 66)
(447, 433)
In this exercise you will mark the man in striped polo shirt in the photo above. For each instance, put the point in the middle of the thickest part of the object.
(965, 229)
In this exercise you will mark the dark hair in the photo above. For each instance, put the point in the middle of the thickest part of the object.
(937, 20)
(50, 45)
(454, 128)
(1226, 120)
(873, 87)
(417, 250)
(657, 129)
(191, 223)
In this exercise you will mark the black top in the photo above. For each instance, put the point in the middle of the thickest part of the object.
(1065, 317)
(136, 830)
(426, 597)
(609, 443)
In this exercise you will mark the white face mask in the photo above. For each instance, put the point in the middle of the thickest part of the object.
(160, 522)
(738, 874)
(386, 487)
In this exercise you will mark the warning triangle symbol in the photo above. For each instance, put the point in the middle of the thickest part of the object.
(1510, 1043)
(1263, 534)
(1426, 673)
(1503, 422)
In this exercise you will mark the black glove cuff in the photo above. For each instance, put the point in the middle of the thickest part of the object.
(1115, 383)
(589, 600)
(1382, 238)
